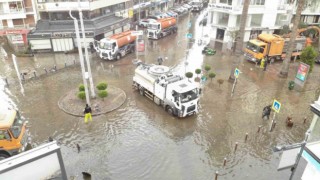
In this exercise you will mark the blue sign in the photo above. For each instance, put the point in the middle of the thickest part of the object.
(276, 105)
(189, 36)
(189, 25)
(236, 72)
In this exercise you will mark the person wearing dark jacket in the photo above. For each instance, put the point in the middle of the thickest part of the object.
(266, 111)
(87, 113)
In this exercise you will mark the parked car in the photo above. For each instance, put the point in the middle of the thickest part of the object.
(189, 7)
(145, 22)
(172, 14)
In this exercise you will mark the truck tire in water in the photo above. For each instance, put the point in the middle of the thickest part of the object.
(169, 110)
(118, 56)
(141, 91)
(3, 156)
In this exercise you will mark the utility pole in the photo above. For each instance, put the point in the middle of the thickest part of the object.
(93, 94)
(81, 58)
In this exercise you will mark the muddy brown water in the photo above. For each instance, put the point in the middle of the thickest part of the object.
(140, 140)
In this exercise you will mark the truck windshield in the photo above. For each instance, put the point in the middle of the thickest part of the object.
(105, 45)
(16, 126)
(152, 26)
(253, 47)
(189, 96)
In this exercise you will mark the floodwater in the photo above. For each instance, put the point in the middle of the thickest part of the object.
(140, 140)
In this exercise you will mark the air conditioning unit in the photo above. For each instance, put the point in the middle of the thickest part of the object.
(40, 6)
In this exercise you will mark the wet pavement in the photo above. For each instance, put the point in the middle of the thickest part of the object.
(139, 140)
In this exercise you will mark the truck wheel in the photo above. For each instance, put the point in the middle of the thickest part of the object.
(272, 59)
(141, 91)
(132, 50)
(170, 110)
(3, 156)
(118, 56)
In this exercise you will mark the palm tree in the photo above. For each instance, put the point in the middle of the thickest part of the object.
(285, 65)
(240, 37)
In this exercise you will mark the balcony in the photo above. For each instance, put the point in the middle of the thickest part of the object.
(25, 26)
(14, 13)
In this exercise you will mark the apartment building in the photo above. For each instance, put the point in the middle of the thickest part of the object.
(311, 14)
(264, 16)
(55, 30)
(17, 17)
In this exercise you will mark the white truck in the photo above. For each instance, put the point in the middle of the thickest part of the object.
(162, 27)
(177, 95)
(197, 5)
(116, 46)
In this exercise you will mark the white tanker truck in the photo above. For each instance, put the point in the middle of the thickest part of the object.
(178, 96)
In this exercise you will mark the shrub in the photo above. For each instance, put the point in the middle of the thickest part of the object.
(81, 87)
(189, 75)
(212, 75)
(198, 71)
(81, 95)
(308, 56)
(102, 86)
(207, 68)
(102, 94)
(220, 81)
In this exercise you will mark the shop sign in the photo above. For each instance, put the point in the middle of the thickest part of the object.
(16, 38)
(302, 72)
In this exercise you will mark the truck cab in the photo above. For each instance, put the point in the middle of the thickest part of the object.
(154, 29)
(14, 135)
(255, 50)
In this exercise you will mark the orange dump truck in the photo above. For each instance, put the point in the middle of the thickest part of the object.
(272, 46)
(14, 136)
(162, 27)
(116, 46)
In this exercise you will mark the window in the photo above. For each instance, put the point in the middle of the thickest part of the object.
(257, 2)
(256, 20)
(229, 2)
(4, 135)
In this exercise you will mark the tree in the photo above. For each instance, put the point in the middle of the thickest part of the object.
(240, 38)
(212, 75)
(102, 86)
(308, 56)
(207, 68)
(285, 65)
(220, 81)
(198, 71)
(189, 75)
(102, 94)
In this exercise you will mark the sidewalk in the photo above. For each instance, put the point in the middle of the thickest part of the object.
(72, 105)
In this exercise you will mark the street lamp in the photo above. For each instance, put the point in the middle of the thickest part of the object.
(93, 95)
(81, 58)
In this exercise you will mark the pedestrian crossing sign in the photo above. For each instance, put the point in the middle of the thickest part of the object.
(236, 72)
(276, 105)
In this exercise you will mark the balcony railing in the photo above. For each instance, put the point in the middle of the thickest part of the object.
(25, 26)
(12, 11)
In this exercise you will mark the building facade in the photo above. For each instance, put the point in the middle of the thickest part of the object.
(17, 17)
(55, 30)
(264, 16)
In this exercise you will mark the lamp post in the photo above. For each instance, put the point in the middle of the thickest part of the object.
(81, 58)
(93, 95)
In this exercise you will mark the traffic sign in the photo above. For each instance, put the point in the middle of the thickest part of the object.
(189, 35)
(276, 105)
(189, 25)
(236, 72)
(136, 33)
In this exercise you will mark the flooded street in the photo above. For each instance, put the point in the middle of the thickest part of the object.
(140, 140)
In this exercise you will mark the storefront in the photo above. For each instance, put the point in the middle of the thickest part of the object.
(16, 38)
(48, 38)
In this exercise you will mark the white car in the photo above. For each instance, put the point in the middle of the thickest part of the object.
(145, 22)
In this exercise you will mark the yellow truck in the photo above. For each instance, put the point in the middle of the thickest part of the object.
(272, 46)
(14, 136)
